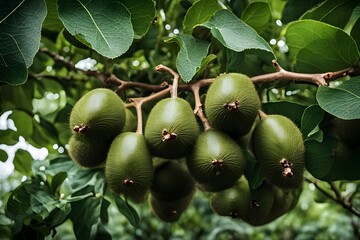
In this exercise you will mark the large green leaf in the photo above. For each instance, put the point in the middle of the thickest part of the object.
(142, 15)
(310, 121)
(23, 122)
(236, 35)
(319, 47)
(333, 12)
(332, 160)
(52, 21)
(192, 52)
(295, 8)
(257, 15)
(23, 162)
(343, 101)
(199, 12)
(103, 26)
(20, 29)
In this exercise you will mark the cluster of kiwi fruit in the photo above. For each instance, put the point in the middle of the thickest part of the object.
(175, 156)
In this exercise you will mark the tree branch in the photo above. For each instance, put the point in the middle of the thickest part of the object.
(337, 198)
(321, 79)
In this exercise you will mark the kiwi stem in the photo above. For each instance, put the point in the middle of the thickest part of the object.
(174, 90)
(262, 115)
(198, 110)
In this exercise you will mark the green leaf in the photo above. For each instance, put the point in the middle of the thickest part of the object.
(355, 32)
(52, 21)
(343, 101)
(20, 32)
(3, 155)
(333, 12)
(105, 26)
(18, 97)
(310, 121)
(57, 180)
(128, 211)
(236, 35)
(23, 122)
(332, 160)
(84, 215)
(142, 15)
(12, 62)
(199, 12)
(257, 15)
(23, 162)
(192, 52)
(295, 8)
(319, 47)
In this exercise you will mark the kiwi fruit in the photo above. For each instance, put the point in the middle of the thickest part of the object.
(216, 161)
(86, 152)
(171, 129)
(128, 167)
(348, 131)
(169, 211)
(234, 201)
(171, 181)
(262, 199)
(130, 121)
(279, 149)
(284, 201)
(232, 104)
(98, 115)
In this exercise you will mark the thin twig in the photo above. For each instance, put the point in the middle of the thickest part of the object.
(176, 76)
(123, 85)
(198, 109)
(337, 198)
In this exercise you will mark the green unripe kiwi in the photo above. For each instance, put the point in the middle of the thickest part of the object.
(348, 131)
(172, 181)
(278, 147)
(262, 199)
(171, 129)
(128, 167)
(284, 201)
(130, 121)
(232, 104)
(169, 211)
(233, 202)
(216, 161)
(99, 114)
(88, 153)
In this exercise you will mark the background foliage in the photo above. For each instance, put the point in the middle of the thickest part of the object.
(53, 52)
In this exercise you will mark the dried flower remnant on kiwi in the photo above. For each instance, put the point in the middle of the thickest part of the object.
(232, 105)
(81, 128)
(287, 167)
(167, 136)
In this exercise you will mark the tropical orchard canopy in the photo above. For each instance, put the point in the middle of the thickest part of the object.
(302, 56)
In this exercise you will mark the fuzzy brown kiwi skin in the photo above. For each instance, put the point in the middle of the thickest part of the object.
(232, 104)
(99, 114)
(279, 148)
(128, 167)
(171, 128)
(172, 181)
(233, 202)
(216, 161)
(87, 153)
